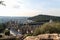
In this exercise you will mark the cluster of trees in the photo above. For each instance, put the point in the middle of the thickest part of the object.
(2, 27)
(53, 27)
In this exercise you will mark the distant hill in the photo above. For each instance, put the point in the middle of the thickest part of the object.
(4, 19)
(40, 18)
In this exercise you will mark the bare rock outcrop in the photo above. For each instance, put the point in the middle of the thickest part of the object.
(31, 38)
(42, 36)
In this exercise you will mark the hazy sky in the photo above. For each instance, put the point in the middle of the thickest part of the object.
(30, 7)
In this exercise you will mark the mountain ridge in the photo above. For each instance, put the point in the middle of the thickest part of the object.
(39, 18)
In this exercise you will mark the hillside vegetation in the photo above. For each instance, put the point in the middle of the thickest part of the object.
(53, 27)
(40, 18)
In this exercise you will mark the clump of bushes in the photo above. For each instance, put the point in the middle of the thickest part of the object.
(7, 32)
(53, 27)
(0, 36)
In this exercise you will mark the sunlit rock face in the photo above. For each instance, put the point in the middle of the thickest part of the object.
(43, 36)
(31, 38)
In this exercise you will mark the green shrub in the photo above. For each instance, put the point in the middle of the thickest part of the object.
(36, 31)
(7, 32)
(53, 27)
(0, 36)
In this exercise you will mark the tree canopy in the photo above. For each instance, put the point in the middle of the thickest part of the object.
(2, 27)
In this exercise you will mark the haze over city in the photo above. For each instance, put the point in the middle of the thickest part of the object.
(30, 7)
